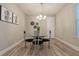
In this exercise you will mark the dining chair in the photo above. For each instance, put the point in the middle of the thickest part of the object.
(48, 39)
(27, 39)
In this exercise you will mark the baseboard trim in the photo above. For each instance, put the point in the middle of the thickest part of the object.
(10, 47)
(70, 45)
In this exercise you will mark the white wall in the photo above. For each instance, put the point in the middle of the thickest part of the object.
(65, 25)
(45, 25)
(11, 33)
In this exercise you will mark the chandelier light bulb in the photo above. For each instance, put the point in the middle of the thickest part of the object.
(44, 17)
(40, 16)
(37, 17)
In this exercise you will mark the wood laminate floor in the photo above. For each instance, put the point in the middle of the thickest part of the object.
(56, 49)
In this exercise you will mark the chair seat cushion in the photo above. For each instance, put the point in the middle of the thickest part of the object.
(29, 40)
(36, 42)
(45, 40)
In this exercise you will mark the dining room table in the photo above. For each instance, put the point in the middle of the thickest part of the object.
(38, 40)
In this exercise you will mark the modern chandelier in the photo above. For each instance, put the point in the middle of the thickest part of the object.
(41, 16)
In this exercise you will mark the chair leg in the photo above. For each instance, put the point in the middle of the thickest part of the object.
(49, 44)
(30, 44)
(25, 44)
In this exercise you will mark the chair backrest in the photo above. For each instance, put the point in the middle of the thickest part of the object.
(50, 34)
(24, 34)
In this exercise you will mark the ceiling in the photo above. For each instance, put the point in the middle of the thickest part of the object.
(33, 9)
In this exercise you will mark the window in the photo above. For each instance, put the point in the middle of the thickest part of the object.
(77, 19)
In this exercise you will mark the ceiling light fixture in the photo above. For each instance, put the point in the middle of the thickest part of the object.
(41, 16)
